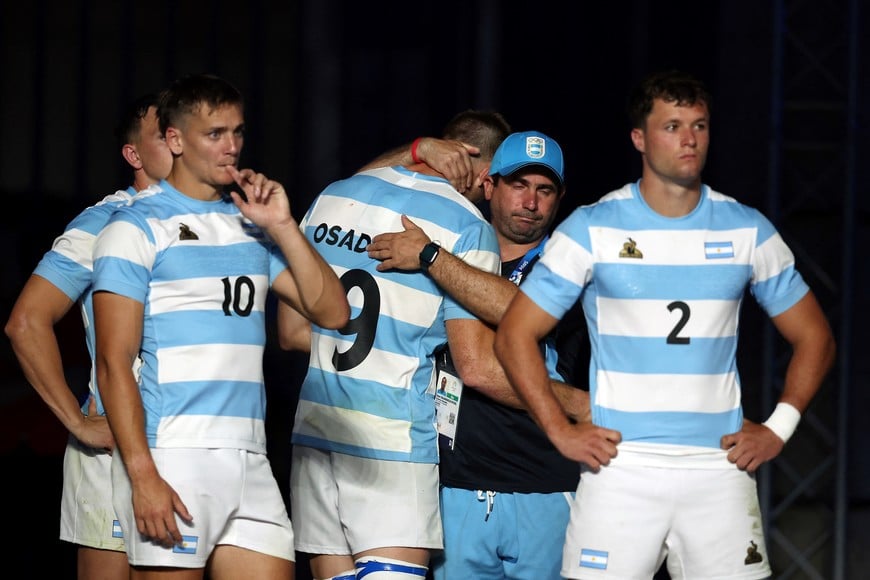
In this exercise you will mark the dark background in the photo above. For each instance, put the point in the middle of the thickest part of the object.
(331, 84)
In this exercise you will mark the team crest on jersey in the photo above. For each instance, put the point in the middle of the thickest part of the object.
(752, 554)
(185, 233)
(535, 147)
(629, 250)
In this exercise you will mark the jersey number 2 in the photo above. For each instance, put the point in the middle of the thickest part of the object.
(674, 336)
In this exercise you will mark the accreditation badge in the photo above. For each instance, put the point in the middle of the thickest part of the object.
(448, 394)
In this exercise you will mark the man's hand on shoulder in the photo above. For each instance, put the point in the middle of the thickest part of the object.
(450, 158)
(399, 250)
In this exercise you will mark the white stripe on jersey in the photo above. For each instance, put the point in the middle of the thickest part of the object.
(181, 295)
(349, 427)
(214, 226)
(574, 270)
(771, 258)
(373, 217)
(679, 393)
(412, 181)
(191, 430)
(119, 237)
(416, 306)
(208, 362)
(647, 318)
(671, 247)
(483, 260)
(77, 245)
(379, 365)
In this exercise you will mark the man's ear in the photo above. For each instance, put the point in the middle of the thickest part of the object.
(637, 139)
(174, 140)
(488, 186)
(129, 153)
(482, 174)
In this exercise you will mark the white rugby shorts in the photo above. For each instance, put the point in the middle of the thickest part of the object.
(344, 505)
(627, 518)
(87, 517)
(232, 496)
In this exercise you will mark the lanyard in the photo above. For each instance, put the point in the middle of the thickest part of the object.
(517, 276)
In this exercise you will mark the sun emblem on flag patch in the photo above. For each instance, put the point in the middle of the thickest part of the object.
(593, 559)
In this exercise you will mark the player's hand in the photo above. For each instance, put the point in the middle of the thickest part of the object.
(265, 202)
(155, 504)
(94, 429)
(587, 443)
(451, 158)
(399, 250)
(752, 446)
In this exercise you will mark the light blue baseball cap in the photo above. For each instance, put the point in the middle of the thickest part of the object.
(527, 148)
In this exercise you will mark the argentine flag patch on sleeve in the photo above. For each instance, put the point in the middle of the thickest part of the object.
(116, 529)
(593, 559)
(717, 250)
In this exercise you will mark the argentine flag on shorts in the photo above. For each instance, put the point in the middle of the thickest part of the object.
(369, 390)
(662, 298)
(593, 559)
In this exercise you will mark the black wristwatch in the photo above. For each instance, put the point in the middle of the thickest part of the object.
(428, 255)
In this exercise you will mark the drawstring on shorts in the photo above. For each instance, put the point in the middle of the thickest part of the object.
(489, 497)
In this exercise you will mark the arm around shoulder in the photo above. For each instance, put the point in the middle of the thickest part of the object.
(449, 157)
(484, 294)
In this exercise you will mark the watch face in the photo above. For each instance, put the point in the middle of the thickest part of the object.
(428, 254)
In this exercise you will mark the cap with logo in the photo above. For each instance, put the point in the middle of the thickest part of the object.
(527, 148)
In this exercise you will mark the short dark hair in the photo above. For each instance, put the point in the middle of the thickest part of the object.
(483, 129)
(186, 94)
(671, 86)
(130, 123)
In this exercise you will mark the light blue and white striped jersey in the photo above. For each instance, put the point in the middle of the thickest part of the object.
(69, 266)
(202, 271)
(662, 299)
(369, 390)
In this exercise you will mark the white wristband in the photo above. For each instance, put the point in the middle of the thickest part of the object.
(783, 421)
